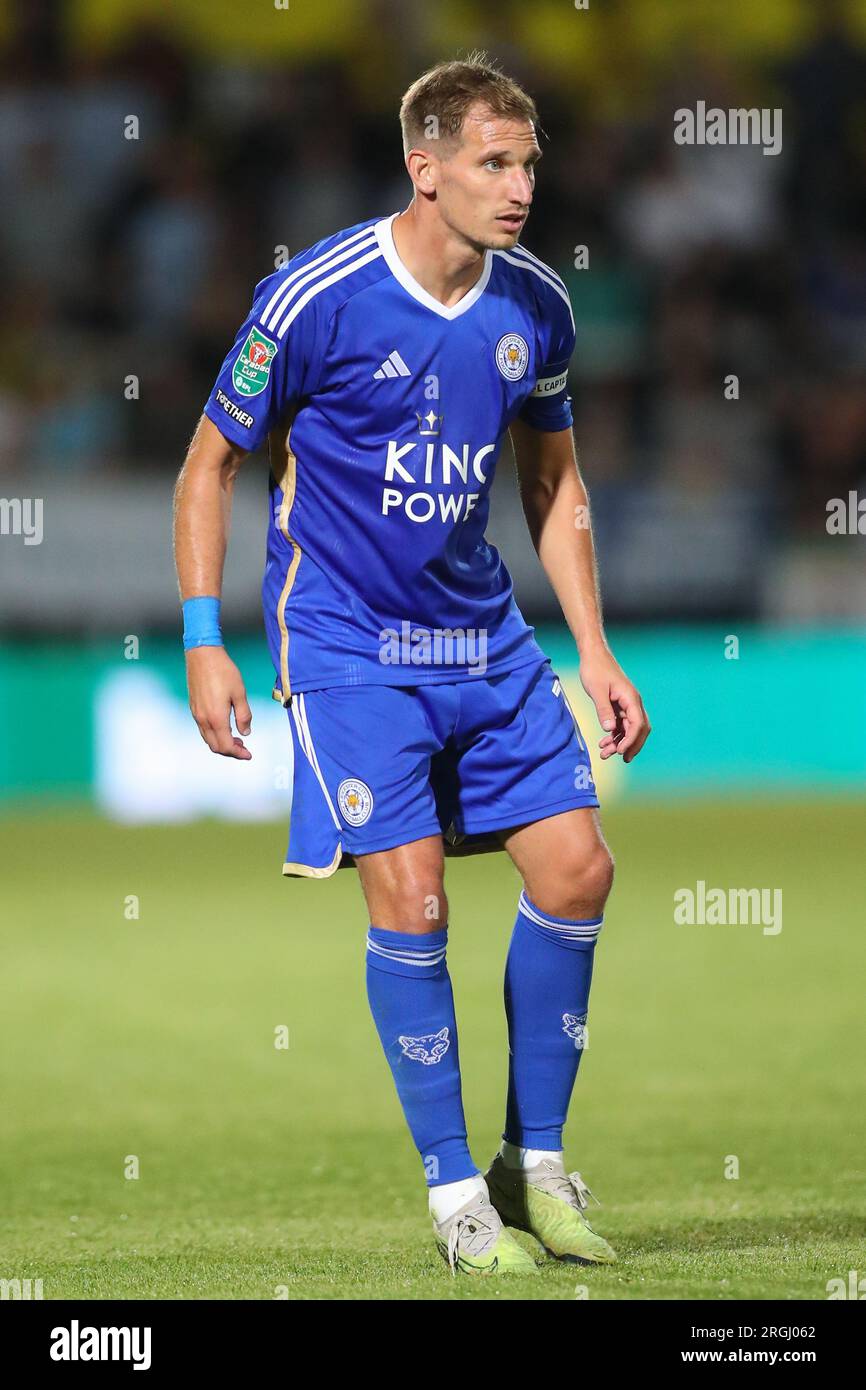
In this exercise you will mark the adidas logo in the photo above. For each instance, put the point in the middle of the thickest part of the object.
(391, 367)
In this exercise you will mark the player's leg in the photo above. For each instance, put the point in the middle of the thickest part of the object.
(525, 773)
(361, 786)
(412, 1003)
(567, 872)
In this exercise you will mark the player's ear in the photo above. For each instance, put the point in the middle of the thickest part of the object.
(422, 170)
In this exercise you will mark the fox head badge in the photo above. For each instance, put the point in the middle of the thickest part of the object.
(575, 1027)
(430, 1049)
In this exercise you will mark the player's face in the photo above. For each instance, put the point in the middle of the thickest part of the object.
(484, 189)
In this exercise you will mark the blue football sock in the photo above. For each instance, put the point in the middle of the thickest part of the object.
(409, 990)
(547, 979)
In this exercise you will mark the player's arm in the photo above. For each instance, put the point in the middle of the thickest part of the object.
(202, 515)
(556, 508)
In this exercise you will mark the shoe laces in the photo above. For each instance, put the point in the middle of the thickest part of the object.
(473, 1231)
(570, 1187)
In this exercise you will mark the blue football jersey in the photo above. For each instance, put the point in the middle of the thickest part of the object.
(385, 412)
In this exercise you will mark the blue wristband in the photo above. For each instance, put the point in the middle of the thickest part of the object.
(201, 623)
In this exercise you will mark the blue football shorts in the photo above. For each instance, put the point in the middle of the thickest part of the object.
(376, 766)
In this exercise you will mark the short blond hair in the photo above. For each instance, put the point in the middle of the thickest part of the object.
(436, 104)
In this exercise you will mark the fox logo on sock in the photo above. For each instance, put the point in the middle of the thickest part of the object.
(430, 1049)
(575, 1028)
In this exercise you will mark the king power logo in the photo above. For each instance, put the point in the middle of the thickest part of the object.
(441, 470)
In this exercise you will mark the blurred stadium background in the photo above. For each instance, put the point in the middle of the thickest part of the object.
(127, 266)
(129, 263)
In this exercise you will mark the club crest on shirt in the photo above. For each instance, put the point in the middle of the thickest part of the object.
(575, 1028)
(355, 801)
(512, 356)
(429, 1049)
(253, 364)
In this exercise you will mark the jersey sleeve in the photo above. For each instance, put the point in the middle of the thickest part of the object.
(548, 406)
(271, 364)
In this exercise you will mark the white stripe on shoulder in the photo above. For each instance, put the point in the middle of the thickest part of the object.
(320, 285)
(536, 260)
(288, 280)
(542, 275)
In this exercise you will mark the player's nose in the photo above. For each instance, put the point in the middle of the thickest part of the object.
(521, 188)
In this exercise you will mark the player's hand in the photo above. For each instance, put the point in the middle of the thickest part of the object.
(216, 688)
(619, 706)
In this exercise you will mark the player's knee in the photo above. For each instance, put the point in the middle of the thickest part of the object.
(579, 886)
(433, 904)
(599, 878)
(415, 904)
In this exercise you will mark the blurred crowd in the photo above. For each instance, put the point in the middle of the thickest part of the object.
(128, 263)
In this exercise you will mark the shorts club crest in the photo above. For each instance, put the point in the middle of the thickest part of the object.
(355, 801)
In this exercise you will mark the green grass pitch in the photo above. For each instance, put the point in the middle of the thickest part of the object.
(268, 1173)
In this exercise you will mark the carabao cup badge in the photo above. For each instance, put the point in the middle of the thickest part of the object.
(512, 356)
(253, 364)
